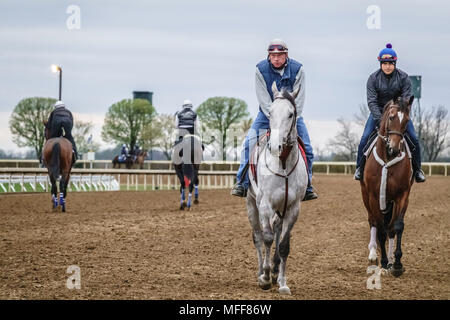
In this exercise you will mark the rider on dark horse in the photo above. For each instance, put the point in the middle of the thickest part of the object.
(61, 118)
(123, 153)
(383, 85)
(289, 74)
(186, 120)
(136, 151)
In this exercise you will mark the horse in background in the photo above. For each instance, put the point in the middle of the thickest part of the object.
(278, 183)
(387, 184)
(128, 162)
(140, 158)
(57, 157)
(187, 156)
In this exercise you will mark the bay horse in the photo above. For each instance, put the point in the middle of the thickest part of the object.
(57, 157)
(187, 156)
(386, 185)
(140, 158)
(277, 187)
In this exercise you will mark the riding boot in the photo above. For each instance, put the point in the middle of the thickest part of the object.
(360, 170)
(419, 175)
(310, 195)
(239, 189)
(357, 174)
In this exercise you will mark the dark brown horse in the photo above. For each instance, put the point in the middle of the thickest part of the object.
(128, 162)
(57, 157)
(386, 185)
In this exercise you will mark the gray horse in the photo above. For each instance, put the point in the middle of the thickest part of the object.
(273, 200)
(187, 157)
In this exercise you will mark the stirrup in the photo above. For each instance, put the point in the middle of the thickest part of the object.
(239, 190)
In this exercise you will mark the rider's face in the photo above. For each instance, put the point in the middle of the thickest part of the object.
(388, 67)
(277, 59)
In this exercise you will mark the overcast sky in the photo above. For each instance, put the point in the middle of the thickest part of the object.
(200, 49)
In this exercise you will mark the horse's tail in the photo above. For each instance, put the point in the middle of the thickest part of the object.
(56, 155)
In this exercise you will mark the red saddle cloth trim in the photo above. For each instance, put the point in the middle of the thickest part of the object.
(253, 164)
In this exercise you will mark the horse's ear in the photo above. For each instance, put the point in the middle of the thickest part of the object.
(296, 92)
(411, 100)
(275, 89)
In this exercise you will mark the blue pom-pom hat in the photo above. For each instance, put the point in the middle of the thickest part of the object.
(387, 54)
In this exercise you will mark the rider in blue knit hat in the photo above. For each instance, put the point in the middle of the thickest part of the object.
(382, 86)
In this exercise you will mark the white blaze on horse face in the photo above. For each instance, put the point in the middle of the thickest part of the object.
(400, 116)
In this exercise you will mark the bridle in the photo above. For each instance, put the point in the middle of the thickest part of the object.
(386, 138)
(287, 147)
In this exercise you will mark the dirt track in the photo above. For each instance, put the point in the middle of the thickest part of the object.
(138, 245)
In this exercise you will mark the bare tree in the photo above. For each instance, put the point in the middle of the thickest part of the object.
(363, 115)
(435, 127)
(345, 143)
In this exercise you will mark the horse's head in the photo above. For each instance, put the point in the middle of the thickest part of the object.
(283, 120)
(393, 124)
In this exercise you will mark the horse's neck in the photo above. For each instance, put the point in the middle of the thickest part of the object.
(381, 149)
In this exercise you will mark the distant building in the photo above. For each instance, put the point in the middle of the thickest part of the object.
(147, 95)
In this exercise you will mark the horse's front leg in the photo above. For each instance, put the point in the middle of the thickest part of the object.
(398, 226)
(253, 217)
(265, 213)
(284, 246)
(276, 225)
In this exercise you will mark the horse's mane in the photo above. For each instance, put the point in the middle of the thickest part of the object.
(286, 95)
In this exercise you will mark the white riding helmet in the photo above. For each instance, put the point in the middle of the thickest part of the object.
(277, 46)
(187, 104)
(59, 104)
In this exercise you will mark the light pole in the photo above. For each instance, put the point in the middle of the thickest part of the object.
(55, 69)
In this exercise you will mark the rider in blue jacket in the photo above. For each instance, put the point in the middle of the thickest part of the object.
(382, 86)
(123, 152)
(288, 74)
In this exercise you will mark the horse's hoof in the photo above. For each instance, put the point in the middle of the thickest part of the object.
(373, 262)
(284, 290)
(263, 283)
(196, 201)
(181, 208)
(397, 272)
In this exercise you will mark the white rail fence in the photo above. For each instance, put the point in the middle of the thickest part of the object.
(18, 179)
(36, 180)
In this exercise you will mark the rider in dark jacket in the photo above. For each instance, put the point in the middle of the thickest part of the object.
(382, 86)
(186, 120)
(61, 118)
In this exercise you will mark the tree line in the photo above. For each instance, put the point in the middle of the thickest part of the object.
(136, 121)
(224, 122)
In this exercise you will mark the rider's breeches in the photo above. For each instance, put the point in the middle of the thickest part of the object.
(56, 130)
(258, 129)
(371, 126)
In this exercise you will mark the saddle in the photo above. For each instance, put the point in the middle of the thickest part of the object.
(259, 147)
